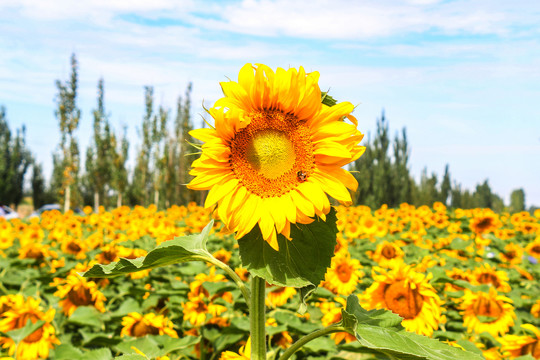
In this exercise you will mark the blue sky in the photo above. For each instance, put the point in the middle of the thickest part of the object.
(462, 76)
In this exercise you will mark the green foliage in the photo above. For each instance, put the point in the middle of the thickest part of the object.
(517, 200)
(15, 159)
(380, 332)
(298, 263)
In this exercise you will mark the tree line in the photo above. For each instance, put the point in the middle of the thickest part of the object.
(163, 157)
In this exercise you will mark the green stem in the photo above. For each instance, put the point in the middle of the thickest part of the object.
(257, 317)
(304, 340)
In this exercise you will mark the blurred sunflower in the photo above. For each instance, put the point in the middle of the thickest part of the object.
(279, 296)
(488, 312)
(515, 346)
(78, 291)
(243, 354)
(484, 221)
(198, 310)
(387, 251)
(137, 325)
(534, 248)
(37, 344)
(535, 309)
(275, 151)
(512, 254)
(343, 275)
(488, 275)
(407, 293)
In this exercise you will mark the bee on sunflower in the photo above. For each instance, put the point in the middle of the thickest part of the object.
(276, 150)
(407, 293)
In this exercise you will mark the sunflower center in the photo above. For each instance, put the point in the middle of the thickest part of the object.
(487, 307)
(403, 300)
(141, 329)
(74, 247)
(35, 336)
(388, 252)
(273, 154)
(344, 273)
(81, 296)
(532, 348)
(488, 279)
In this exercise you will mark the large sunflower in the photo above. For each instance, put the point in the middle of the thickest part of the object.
(514, 345)
(407, 293)
(275, 151)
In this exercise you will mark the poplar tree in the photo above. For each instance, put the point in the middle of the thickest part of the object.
(183, 126)
(68, 116)
(99, 152)
(517, 200)
(119, 181)
(39, 195)
(159, 157)
(446, 187)
(402, 183)
(140, 185)
(15, 158)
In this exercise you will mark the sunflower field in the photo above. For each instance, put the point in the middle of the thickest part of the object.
(465, 277)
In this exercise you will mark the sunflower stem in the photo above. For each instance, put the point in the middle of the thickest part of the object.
(257, 317)
(241, 285)
(304, 340)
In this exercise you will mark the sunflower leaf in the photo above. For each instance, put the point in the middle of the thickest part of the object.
(299, 262)
(178, 250)
(379, 331)
(18, 335)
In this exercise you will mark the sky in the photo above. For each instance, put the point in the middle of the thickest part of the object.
(463, 77)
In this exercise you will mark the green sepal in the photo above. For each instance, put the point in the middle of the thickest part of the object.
(178, 250)
(299, 262)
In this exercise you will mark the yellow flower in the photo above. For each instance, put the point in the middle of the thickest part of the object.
(332, 315)
(279, 296)
(488, 312)
(387, 251)
(275, 151)
(37, 344)
(343, 274)
(486, 274)
(137, 325)
(198, 310)
(515, 345)
(78, 291)
(243, 354)
(406, 293)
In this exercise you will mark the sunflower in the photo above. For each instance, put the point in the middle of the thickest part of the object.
(387, 251)
(243, 354)
(534, 248)
(279, 296)
(343, 274)
(488, 312)
(515, 346)
(406, 293)
(484, 221)
(37, 344)
(486, 274)
(78, 291)
(512, 254)
(137, 325)
(275, 151)
(198, 310)
(535, 309)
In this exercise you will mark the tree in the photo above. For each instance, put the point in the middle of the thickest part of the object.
(517, 200)
(39, 195)
(99, 152)
(141, 183)
(68, 116)
(119, 179)
(402, 183)
(446, 187)
(183, 126)
(15, 158)
(482, 196)
(427, 192)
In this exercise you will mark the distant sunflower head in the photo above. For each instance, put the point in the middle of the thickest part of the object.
(407, 293)
(515, 346)
(488, 312)
(137, 325)
(343, 274)
(387, 251)
(488, 275)
(78, 291)
(484, 222)
(275, 152)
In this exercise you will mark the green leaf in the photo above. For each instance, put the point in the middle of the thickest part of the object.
(98, 354)
(18, 335)
(86, 315)
(321, 344)
(305, 292)
(66, 352)
(378, 331)
(130, 357)
(180, 249)
(298, 263)
(146, 345)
